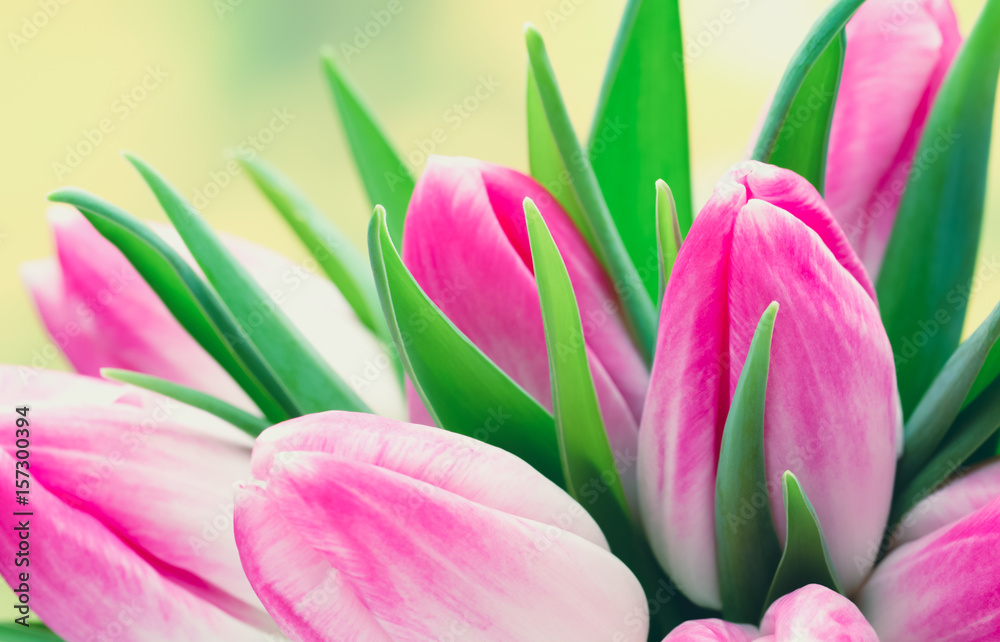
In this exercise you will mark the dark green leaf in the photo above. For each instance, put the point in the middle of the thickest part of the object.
(640, 130)
(806, 559)
(747, 545)
(10, 632)
(191, 301)
(636, 301)
(973, 428)
(310, 381)
(250, 424)
(340, 260)
(461, 388)
(668, 236)
(805, 135)
(587, 460)
(546, 164)
(989, 373)
(386, 178)
(931, 254)
(823, 33)
(927, 426)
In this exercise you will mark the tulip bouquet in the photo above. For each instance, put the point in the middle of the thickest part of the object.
(625, 422)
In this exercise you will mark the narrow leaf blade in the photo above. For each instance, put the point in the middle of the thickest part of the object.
(640, 129)
(668, 236)
(190, 300)
(932, 250)
(748, 547)
(806, 558)
(250, 424)
(386, 177)
(638, 305)
(804, 138)
(462, 389)
(310, 381)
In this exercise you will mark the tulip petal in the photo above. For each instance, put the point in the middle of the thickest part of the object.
(817, 614)
(962, 497)
(831, 414)
(412, 523)
(467, 246)
(712, 631)
(941, 587)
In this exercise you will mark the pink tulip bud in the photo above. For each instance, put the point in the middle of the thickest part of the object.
(832, 412)
(362, 528)
(898, 52)
(128, 532)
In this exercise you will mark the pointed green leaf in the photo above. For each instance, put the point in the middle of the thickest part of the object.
(190, 300)
(988, 374)
(250, 424)
(804, 138)
(824, 32)
(806, 559)
(748, 546)
(461, 388)
(583, 443)
(668, 236)
(927, 426)
(973, 428)
(386, 177)
(640, 129)
(546, 164)
(341, 261)
(636, 301)
(310, 381)
(932, 251)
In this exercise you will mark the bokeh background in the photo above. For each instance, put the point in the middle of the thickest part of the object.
(219, 69)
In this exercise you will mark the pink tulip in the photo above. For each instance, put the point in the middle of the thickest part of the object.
(832, 412)
(130, 535)
(898, 52)
(101, 314)
(362, 528)
(943, 587)
(812, 613)
(466, 244)
(962, 497)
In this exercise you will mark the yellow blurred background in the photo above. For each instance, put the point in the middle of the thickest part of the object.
(181, 82)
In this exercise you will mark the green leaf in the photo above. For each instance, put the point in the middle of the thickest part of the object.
(820, 36)
(668, 237)
(934, 415)
(386, 177)
(973, 428)
(931, 254)
(341, 261)
(747, 546)
(546, 164)
(587, 460)
(310, 381)
(190, 300)
(806, 559)
(636, 301)
(250, 424)
(461, 388)
(640, 129)
(988, 374)
(10, 632)
(804, 137)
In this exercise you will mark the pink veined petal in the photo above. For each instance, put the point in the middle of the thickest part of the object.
(683, 419)
(942, 587)
(450, 566)
(817, 614)
(712, 630)
(962, 497)
(452, 463)
(897, 55)
(86, 584)
(466, 244)
(832, 412)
